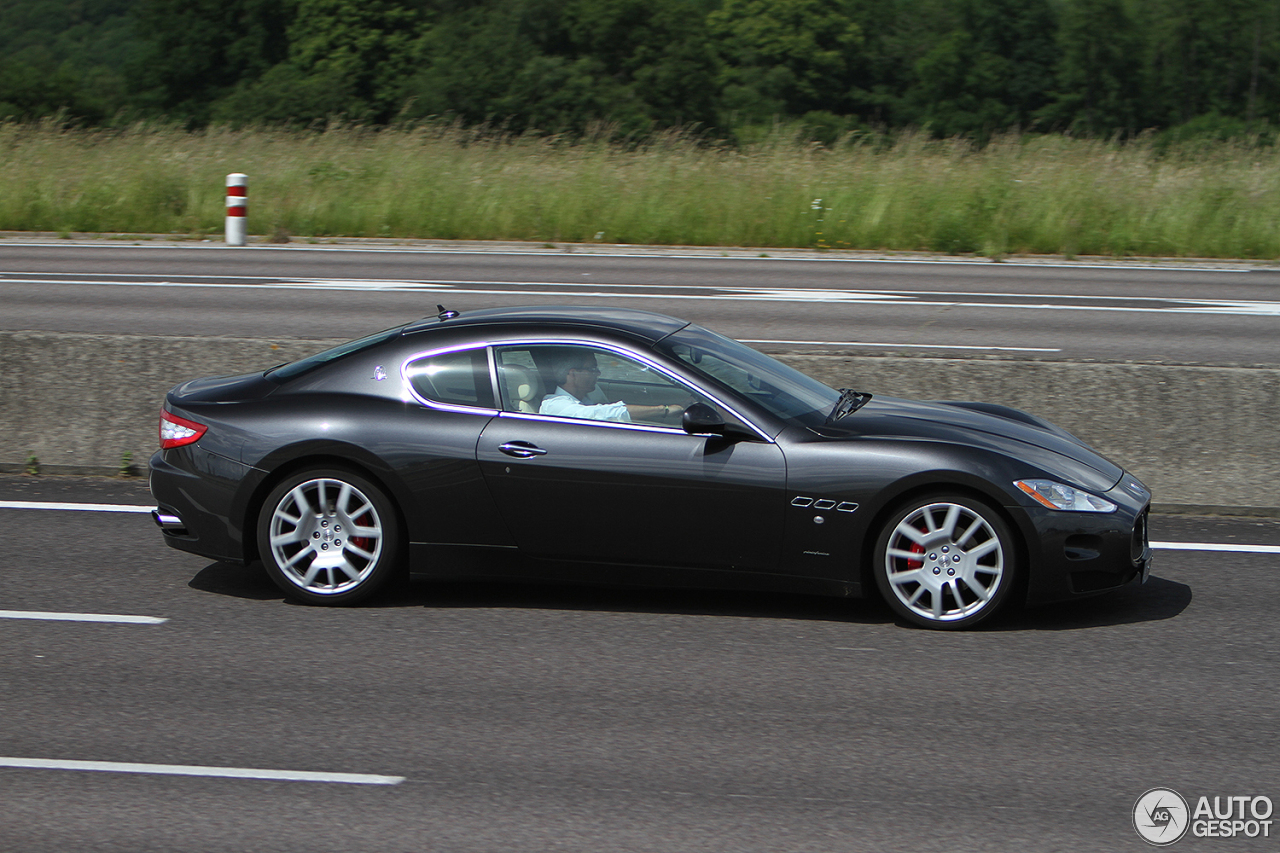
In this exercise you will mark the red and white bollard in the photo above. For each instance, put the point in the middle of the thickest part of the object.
(237, 206)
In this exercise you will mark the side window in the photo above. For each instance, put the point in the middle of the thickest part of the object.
(453, 378)
(587, 383)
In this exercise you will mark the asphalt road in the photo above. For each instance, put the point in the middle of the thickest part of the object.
(531, 718)
(554, 718)
(1129, 312)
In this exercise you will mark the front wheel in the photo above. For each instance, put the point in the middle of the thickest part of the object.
(945, 562)
(328, 536)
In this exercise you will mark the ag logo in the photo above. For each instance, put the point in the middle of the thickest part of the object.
(1161, 816)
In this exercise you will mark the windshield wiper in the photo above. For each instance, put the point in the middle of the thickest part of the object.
(850, 401)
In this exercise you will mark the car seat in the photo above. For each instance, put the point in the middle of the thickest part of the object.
(521, 387)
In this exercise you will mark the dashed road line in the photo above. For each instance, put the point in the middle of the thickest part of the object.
(50, 616)
(1215, 546)
(197, 770)
(985, 300)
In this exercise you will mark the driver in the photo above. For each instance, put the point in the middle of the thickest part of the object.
(576, 374)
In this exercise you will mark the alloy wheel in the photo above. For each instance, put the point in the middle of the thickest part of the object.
(946, 563)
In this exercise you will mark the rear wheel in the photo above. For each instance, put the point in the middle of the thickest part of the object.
(329, 536)
(945, 562)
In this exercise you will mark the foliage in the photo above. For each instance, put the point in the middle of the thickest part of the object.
(1099, 70)
(991, 72)
(64, 58)
(784, 56)
(733, 69)
(199, 50)
(564, 66)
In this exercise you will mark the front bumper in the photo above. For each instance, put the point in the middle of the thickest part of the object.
(1081, 554)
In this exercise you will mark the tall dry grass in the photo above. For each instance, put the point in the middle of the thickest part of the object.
(1046, 194)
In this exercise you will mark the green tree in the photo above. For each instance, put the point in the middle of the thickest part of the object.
(993, 72)
(287, 95)
(199, 50)
(555, 93)
(369, 43)
(468, 59)
(659, 50)
(961, 89)
(1099, 73)
(33, 87)
(784, 57)
(562, 66)
(346, 58)
(896, 35)
(64, 56)
(1210, 57)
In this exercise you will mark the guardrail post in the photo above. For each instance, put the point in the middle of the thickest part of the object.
(237, 206)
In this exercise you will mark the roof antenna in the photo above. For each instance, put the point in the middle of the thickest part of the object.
(445, 315)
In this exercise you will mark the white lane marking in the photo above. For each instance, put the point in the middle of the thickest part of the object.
(197, 770)
(57, 505)
(81, 617)
(899, 346)
(943, 299)
(229, 280)
(800, 294)
(413, 285)
(1214, 546)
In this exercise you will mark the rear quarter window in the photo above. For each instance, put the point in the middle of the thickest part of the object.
(459, 378)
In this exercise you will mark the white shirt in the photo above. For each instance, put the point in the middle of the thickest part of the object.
(565, 405)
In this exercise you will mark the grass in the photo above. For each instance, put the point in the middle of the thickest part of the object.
(1018, 195)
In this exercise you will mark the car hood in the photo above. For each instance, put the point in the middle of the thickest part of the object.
(998, 428)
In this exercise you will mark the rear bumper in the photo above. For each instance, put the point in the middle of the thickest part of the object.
(196, 512)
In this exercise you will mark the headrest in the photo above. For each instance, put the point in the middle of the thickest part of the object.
(521, 383)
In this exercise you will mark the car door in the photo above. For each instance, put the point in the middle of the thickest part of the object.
(633, 490)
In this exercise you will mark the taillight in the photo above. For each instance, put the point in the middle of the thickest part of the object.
(176, 431)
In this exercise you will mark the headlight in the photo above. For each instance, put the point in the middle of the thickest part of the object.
(1063, 497)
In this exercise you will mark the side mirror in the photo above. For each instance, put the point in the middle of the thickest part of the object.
(701, 419)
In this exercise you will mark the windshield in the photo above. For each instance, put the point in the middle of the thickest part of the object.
(770, 384)
(297, 368)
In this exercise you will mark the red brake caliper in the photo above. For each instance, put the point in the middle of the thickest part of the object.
(361, 542)
(916, 548)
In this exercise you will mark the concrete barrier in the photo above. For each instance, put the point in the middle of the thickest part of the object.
(1203, 438)
(90, 404)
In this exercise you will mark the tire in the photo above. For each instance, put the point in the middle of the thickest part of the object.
(304, 542)
(945, 562)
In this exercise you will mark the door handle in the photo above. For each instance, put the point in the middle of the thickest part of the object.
(521, 449)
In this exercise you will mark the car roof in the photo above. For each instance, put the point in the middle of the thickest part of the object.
(646, 325)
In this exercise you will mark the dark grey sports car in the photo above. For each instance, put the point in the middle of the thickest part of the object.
(624, 447)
